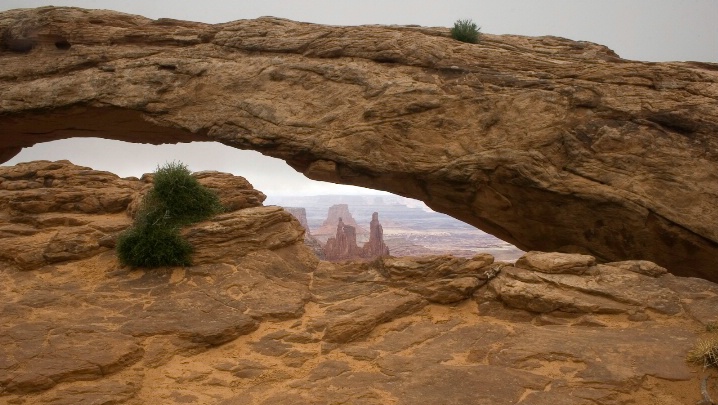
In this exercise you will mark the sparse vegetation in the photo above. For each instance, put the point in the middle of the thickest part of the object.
(706, 350)
(176, 199)
(465, 31)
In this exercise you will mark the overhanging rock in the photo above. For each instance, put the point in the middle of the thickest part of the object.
(547, 143)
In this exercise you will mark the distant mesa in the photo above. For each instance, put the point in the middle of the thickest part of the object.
(335, 214)
(343, 246)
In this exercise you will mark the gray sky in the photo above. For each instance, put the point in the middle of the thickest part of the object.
(650, 30)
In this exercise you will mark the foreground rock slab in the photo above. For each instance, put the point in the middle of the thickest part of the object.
(258, 319)
(547, 143)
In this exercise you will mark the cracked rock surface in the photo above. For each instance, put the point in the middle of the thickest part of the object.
(269, 323)
(546, 143)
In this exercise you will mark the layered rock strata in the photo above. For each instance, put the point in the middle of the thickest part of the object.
(544, 142)
(259, 320)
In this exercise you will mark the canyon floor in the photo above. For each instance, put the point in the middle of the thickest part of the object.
(258, 319)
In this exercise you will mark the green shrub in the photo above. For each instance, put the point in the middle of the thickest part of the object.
(153, 246)
(179, 198)
(465, 31)
(176, 199)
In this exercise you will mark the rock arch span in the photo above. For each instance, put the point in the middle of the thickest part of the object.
(547, 143)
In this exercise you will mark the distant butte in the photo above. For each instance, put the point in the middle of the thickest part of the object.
(547, 143)
(343, 246)
(335, 213)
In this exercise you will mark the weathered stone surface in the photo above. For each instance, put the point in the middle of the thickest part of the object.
(433, 267)
(183, 314)
(79, 316)
(556, 263)
(599, 289)
(260, 320)
(235, 192)
(239, 233)
(547, 143)
(42, 355)
(350, 320)
(54, 212)
(640, 266)
(103, 392)
(41, 187)
(448, 291)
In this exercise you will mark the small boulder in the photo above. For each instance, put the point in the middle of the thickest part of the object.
(556, 263)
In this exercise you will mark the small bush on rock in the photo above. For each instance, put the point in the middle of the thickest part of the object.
(465, 31)
(153, 246)
(705, 352)
(179, 198)
(176, 199)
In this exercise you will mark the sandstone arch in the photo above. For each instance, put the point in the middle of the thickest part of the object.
(544, 142)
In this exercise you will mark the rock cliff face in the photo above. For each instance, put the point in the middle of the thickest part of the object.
(544, 142)
(259, 320)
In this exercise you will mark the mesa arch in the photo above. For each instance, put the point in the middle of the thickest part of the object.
(547, 143)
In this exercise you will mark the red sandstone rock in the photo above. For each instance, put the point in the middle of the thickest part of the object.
(344, 245)
(261, 320)
(547, 143)
(376, 246)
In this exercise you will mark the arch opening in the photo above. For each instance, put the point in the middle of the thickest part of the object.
(410, 227)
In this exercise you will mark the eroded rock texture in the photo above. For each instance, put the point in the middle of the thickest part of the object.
(260, 320)
(547, 143)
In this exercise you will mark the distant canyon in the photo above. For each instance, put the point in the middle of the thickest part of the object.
(410, 227)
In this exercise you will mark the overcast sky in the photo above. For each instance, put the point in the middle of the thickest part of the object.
(650, 30)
